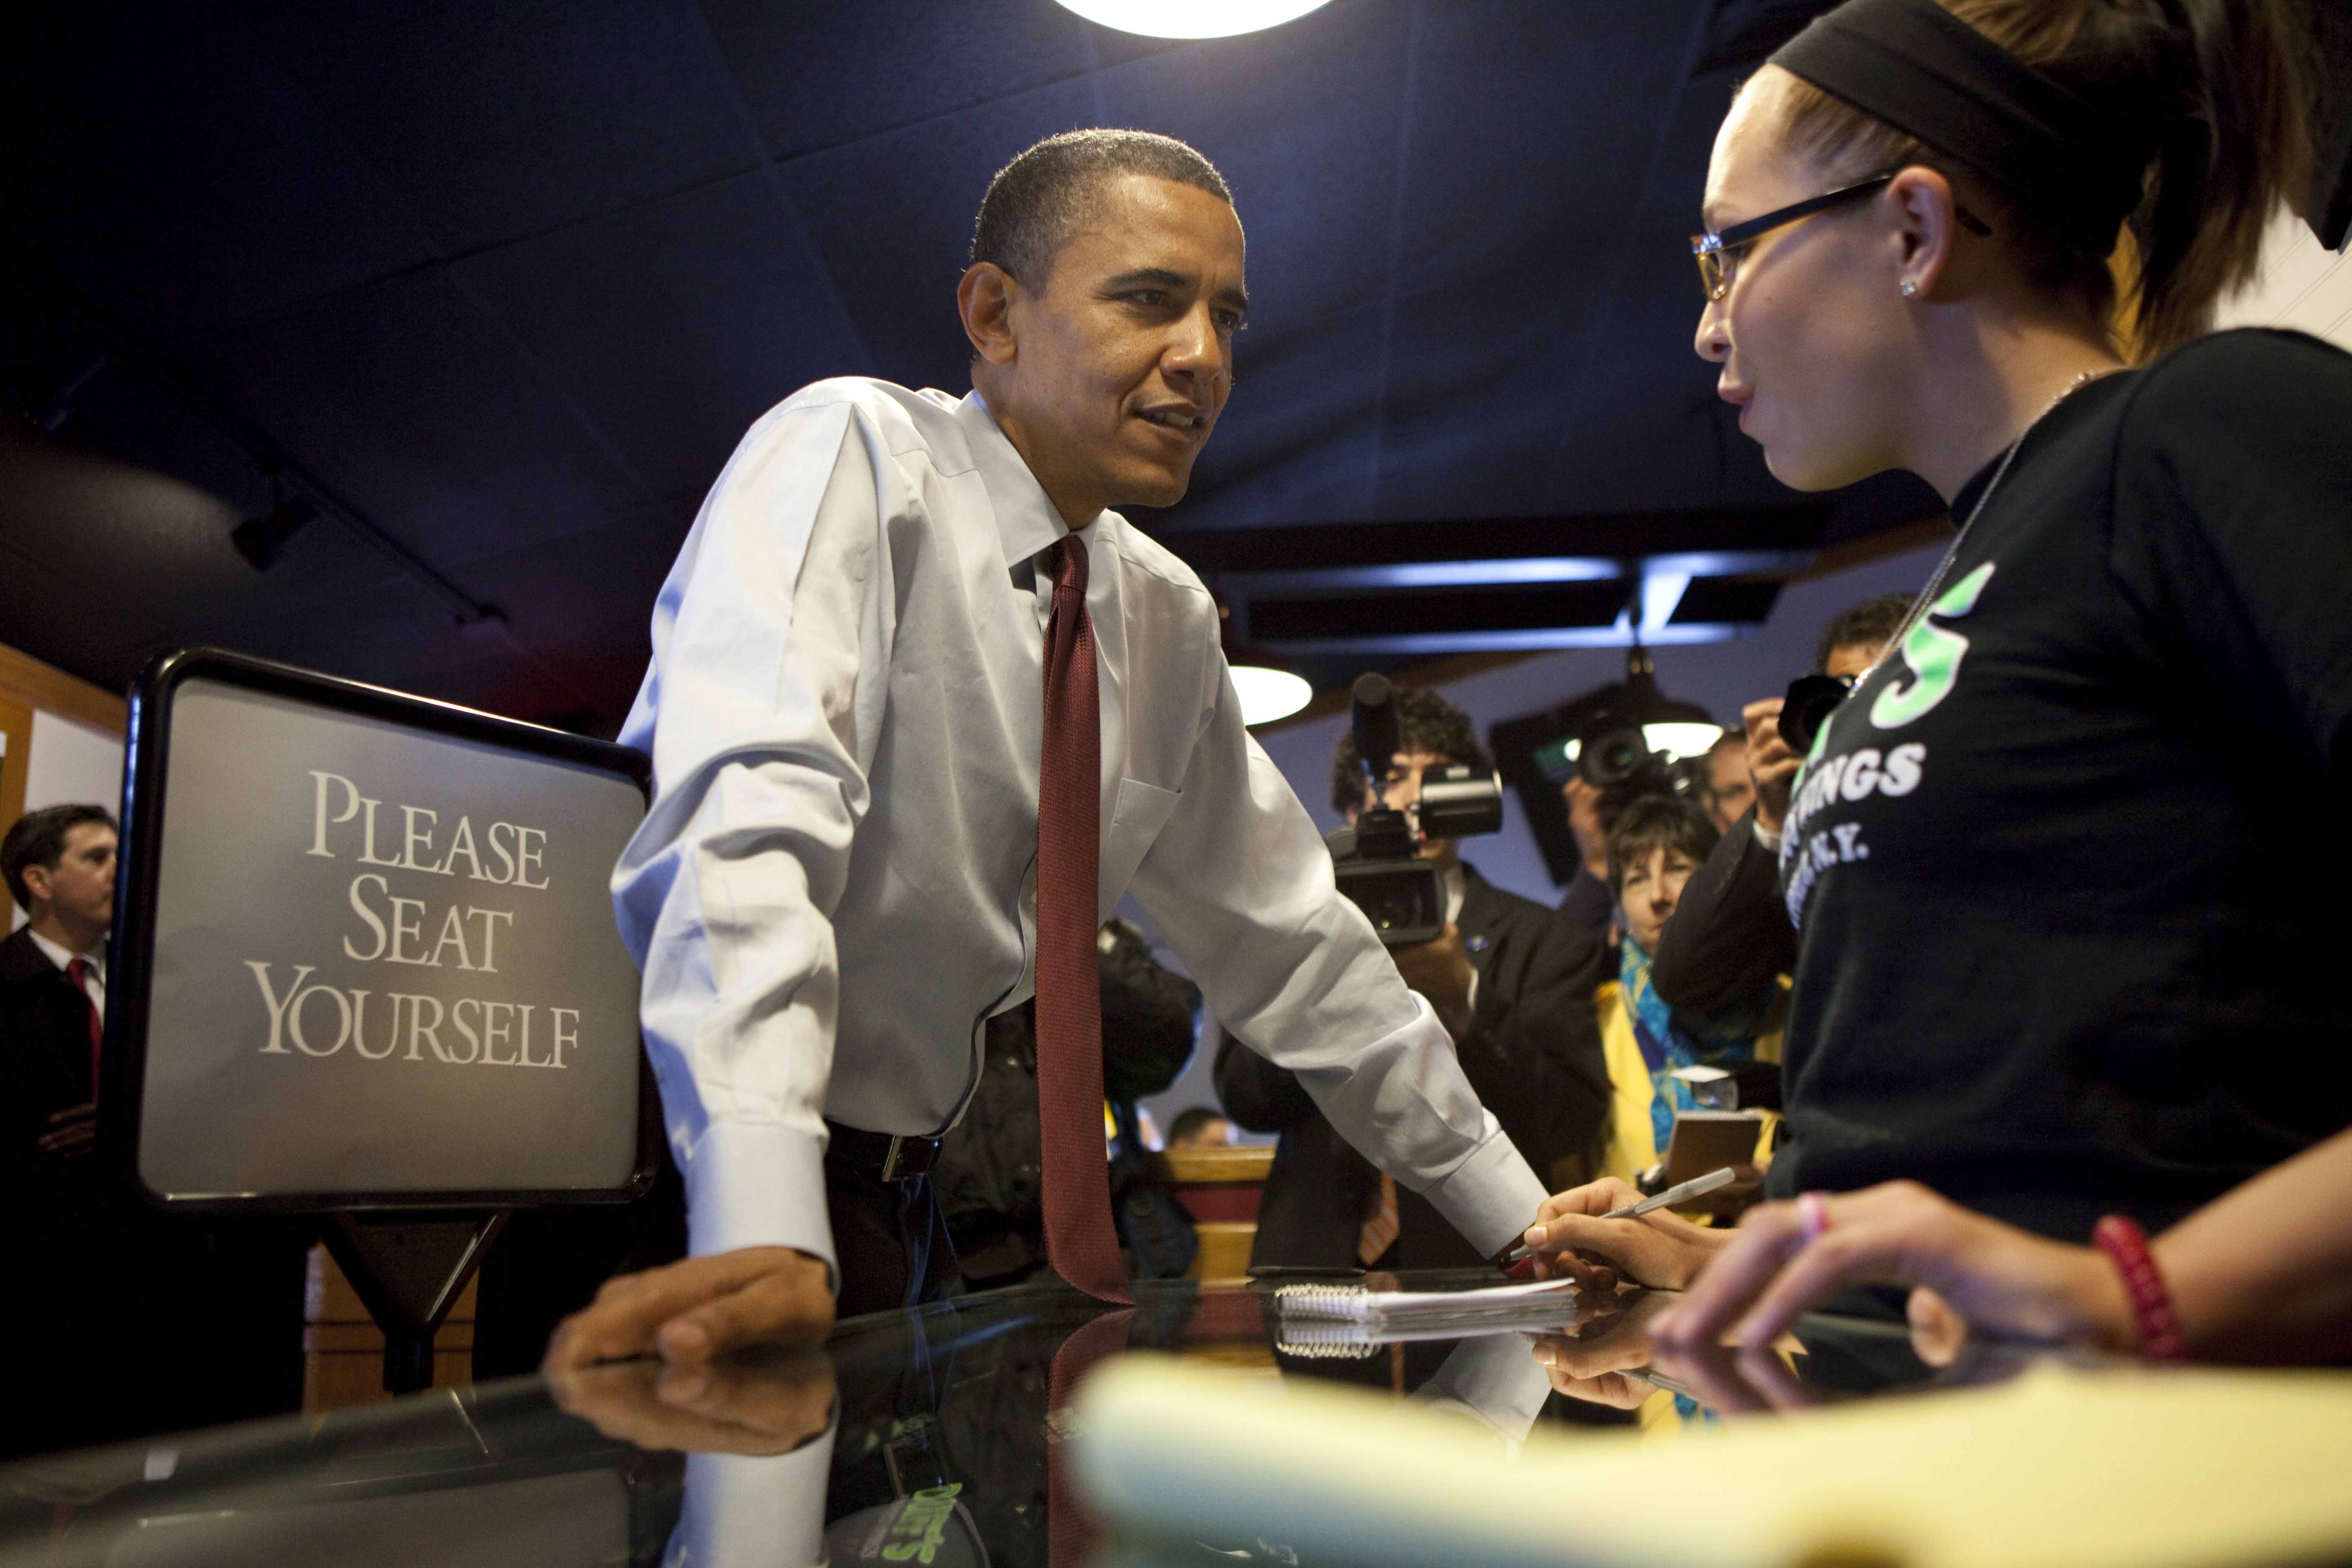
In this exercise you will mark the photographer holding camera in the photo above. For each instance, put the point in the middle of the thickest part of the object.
(1721, 957)
(1510, 980)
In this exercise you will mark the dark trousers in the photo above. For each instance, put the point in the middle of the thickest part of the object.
(889, 1238)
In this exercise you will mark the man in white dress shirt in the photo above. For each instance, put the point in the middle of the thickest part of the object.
(836, 886)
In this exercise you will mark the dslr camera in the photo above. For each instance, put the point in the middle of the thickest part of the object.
(1616, 760)
(1378, 861)
(1608, 747)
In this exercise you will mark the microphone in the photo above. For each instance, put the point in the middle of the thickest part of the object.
(1375, 729)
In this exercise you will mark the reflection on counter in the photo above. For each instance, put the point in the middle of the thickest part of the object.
(947, 1435)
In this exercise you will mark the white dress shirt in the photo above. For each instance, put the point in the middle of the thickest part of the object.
(837, 885)
(93, 980)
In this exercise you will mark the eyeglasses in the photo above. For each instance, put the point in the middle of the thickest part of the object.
(1718, 255)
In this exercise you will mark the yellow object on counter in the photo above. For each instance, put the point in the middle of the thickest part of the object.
(2141, 1467)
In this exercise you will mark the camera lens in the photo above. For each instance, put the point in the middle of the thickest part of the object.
(1612, 756)
(1811, 700)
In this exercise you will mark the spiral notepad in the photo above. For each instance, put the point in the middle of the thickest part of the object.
(1538, 1304)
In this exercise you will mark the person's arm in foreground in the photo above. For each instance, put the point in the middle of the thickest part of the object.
(1535, 1058)
(2262, 1273)
(728, 887)
(1729, 937)
(1241, 885)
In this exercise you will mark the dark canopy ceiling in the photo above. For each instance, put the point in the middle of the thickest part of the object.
(498, 284)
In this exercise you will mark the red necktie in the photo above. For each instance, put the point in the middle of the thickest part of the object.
(1079, 1238)
(78, 971)
(1071, 1534)
(1381, 1226)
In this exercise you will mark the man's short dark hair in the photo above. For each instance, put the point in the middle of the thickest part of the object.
(1657, 822)
(1871, 624)
(1192, 1121)
(1039, 197)
(39, 838)
(1425, 723)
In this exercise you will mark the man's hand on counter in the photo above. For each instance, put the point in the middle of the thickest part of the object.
(713, 1407)
(690, 1311)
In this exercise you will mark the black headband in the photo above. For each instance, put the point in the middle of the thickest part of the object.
(1915, 65)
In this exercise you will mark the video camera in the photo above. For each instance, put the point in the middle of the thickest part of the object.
(1378, 861)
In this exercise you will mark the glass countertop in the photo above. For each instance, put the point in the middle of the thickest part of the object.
(925, 1436)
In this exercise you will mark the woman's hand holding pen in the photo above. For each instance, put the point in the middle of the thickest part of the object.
(1656, 1249)
(1592, 1366)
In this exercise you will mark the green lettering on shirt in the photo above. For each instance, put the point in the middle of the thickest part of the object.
(1934, 655)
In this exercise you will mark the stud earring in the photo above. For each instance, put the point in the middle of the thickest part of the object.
(1909, 288)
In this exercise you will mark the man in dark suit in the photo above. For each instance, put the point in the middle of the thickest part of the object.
(127, 1322)
(1511, 981)
(59, 866)
(58, 863)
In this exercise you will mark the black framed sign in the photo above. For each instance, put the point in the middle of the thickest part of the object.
(363, 952)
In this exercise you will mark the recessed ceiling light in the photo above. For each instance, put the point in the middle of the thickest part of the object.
(1192, 18)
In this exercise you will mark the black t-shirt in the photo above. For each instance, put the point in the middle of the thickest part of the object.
(2071, 869)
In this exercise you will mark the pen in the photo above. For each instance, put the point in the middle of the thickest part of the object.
(1681, 1193)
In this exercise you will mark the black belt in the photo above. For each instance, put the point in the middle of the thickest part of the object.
(886, 1156)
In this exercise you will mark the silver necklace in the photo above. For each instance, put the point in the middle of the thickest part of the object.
(1918, 611)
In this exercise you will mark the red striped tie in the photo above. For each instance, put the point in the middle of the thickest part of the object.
(1079, 1236)
(78, 971)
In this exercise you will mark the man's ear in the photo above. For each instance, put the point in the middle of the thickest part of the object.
(39, 880)
(984, 298)
(1924, 210)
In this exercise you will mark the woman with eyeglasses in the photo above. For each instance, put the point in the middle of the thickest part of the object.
(2065, 861)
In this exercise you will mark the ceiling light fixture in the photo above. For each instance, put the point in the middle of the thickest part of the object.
(262, 540)
(1268, 688)
(1197, 19)
(1268, 693)
(1679, 729)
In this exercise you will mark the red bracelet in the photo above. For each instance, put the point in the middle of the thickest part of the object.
(2125, 1245)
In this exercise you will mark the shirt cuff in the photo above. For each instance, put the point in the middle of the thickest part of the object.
(1769, 839)
(752, 1184)
(1492, 1196)
(1494, 1379)
(748, 1507)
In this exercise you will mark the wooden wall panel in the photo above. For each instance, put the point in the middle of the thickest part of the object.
(16, 759)
(28, 680)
